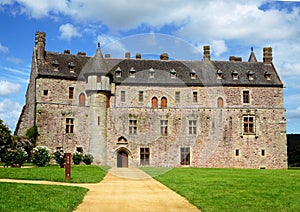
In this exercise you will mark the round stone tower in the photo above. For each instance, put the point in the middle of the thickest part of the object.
(98, 89)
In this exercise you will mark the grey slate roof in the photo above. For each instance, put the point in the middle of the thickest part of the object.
(205, 71)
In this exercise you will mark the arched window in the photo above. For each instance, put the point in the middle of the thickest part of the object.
(82, 99)
(164, 102)
(220, 102)
(154, 102)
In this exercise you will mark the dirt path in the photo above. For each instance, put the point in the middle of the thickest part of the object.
(126, 189)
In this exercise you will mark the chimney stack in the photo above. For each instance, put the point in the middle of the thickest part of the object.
(206, 50)
(127, 55)
(40, 43)
(235, 59)
(107, 55)
(267, 55)
(164, 56)
(138, 56)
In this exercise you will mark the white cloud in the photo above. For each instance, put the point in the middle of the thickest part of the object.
(3, 48)
(10, 112)
(68, 31)
(14, 60)
(7, 88)
(218, 47)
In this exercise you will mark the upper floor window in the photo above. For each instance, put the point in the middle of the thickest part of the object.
(123, 96)
(173, 74)
(69, 125)
(164, 102)
(71, 67)
(132, 127)
(246, 97)
(192, 127)
(250, 75)
(132, 73)
(141, 96)
(220, 102)
(82, 99)
(154, 102)
(248, 123)
(219, 74)
(235, 75)
(71, 92)
(193, 74)
(151, 73)
(55, 65)
(195, 96)
(177, 96)
(267, 75)
(118, 72)
(164, 127)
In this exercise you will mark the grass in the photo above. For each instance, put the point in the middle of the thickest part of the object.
(79, 173)
(235, 189)
(28, 197)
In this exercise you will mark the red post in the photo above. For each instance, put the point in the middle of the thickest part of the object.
(68, 166)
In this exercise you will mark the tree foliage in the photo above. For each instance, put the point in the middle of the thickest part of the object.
(5, 139)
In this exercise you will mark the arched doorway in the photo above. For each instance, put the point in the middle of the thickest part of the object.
(122, 159)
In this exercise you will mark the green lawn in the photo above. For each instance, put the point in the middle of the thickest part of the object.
(79, 173)
(235, 189)
(28, 197)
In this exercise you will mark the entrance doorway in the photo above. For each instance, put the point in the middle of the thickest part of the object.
(122, 159)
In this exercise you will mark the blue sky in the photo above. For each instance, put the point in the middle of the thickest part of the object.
(229, 27)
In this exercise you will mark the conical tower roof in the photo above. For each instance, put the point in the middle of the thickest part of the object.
(96, 65)
(252, 57)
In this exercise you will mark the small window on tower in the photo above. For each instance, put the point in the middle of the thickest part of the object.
(45, 92)
(71, 92)
(195, 96)
(177, 96)
(141, 96)
(246, 97)
(69, 125)
(123, 96)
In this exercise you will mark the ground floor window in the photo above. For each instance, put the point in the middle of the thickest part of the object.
(185, 155)
(144, 156)
(69, 125)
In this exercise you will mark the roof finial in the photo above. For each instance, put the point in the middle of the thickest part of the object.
(98, 44)
(251, 48)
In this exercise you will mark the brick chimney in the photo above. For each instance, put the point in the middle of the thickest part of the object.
(127, 55)
(40, 43)
(164, 56)
(138, 56)
(267, 55)
(206, 50)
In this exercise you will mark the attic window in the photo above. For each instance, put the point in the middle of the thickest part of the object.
(55, 65)
(267, 75)
(219, 74)
(151, 73)
(71, 67)
(132, 73)
(118, 72)
(193, 74)
(173, 74)
(235, 75)
(250, 75)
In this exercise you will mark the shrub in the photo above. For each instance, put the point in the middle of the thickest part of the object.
(88, 158)
(77, 157)
(41, 156)
(15, 157)
(60, 157)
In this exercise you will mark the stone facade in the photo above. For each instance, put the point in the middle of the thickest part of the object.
(133, 112)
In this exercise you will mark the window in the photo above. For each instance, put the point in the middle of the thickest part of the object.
(220, 102)
(267, 75)
(237, 152)
(173, 74)
(177, 96)
(219, 74)
(71, 92)
(79, 149)
(99, 79)
(192, 127)
(250, 75)
(45, 92)
(235, 75)
(118, 72)
(122, 96)
(151, 73)
(193, 74)
(164, 102)
(69, 125)
(195, 96)
(246, 97)
(154, 102)
(249, 125)
(132, 127)
(132, 73)
(82, 99)
(263, 152)
(185, 156)
(141, 96)
(164, 127)
(144, 156)
(99, 120)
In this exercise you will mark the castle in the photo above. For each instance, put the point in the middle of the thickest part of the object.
(134, 112)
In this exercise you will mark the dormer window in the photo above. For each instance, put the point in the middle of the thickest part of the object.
(193, 74)
(268, 75)
(71, 67)
(118, 72)
(235, 75)
(250, 75)
(173, 74)
(132, 73)
(55, 65)
(151, 73)
(219, 74)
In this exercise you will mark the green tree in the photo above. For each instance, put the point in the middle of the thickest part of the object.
(5, 139)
